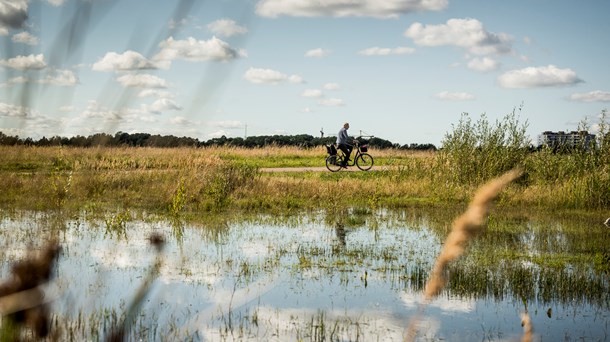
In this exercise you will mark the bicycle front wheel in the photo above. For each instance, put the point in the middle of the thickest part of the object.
(333, 163)
(365, 162)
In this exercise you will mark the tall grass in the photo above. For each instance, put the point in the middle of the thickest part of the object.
(474, 152)
(180, 181)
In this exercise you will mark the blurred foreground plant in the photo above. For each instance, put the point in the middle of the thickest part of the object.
(23, 304)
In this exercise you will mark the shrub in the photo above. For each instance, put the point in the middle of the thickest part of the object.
(475, 152)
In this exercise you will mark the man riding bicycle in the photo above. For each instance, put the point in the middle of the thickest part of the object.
(343, 145)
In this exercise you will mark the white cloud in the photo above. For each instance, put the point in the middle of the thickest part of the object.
(162, 105)
(180, 120)
(9, 110)
(377, 51)
(13, 13)
(64, 78)
(331, 102)
(18, 80)
(31, 62)
(483, 64)
(218, 134)
(142, 81)
(194, 50)
(129, 60)
(155, 93)
(95, 110)
(226, 28)
(268, 76)
(468, 34)
(343, 8)
(331, 86)
(25, 38)
(56, 3)
(313, 93)
(3, 30)
(295, 79)
(317, 53)
(173, 24)
(532, 77)
(454, 96)
(592, 96)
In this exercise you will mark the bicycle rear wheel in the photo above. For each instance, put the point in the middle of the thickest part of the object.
(333, 163)
(365, 162)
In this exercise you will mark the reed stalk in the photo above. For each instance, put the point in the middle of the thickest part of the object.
(464, 228)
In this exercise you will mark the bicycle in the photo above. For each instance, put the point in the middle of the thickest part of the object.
(362, 159)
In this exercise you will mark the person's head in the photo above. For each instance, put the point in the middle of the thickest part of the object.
(346, 125)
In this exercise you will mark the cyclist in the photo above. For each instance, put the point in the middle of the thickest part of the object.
(343, 145)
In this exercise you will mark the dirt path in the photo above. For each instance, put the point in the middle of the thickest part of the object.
(317, 169)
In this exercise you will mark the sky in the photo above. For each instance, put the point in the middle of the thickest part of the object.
(401, 70)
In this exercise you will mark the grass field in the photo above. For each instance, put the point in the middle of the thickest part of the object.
(188, 180)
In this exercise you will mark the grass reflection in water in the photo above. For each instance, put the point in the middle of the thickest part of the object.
(309, 277)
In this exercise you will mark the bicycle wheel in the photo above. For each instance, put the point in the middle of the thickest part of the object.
(333, 163)
(365, 162)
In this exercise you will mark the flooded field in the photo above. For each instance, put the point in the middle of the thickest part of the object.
(319, 277)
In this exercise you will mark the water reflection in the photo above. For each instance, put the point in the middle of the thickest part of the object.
(307, 277)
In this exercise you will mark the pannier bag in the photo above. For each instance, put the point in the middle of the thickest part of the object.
(331, 149)
(364, 148)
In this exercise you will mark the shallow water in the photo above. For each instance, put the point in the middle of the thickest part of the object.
(309, 278)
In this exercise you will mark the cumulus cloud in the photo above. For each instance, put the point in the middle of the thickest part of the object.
(377, 51)
(162, 105)
(31, 62)
(533, 77)
(18, 80)
(194, 50)
(313, 93)
(331, 102)
(342, 8)
(13, 13)
(128, 60)
(331, 86)
(317, 53)
(269, 76)
(63, 78)
(226, 28)
(180, 120)
(156, 93)
(483, 64)
(95, 110)
(3, 30)
(25, 38)
(218, 134)
(468, 34)
(592, 96)
(9, 110)
(142, 81)
(454, 96)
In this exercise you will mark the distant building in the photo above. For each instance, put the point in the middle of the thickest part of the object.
(563, 139)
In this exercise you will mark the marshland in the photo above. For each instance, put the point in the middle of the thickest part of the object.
(202, 244)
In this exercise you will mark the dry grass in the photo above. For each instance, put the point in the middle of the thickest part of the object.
(465, 227)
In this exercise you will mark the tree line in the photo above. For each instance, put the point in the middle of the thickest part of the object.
(170, 141)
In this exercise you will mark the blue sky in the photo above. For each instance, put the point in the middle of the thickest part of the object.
(403, 70)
